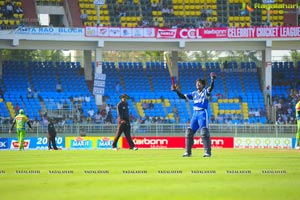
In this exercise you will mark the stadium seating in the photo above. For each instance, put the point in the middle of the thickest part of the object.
(43, 77)
(237, 89)
(185, 12)
(188, 12)
(10, 21)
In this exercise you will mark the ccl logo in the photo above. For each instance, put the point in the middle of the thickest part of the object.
(246, 9)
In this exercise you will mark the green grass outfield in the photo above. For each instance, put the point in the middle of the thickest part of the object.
(150, 174)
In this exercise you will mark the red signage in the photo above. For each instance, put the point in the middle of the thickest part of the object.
(15, 144)
(195, 33)
(177, 142)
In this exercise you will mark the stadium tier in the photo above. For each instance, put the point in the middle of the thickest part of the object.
(237, 96)
(151, 13)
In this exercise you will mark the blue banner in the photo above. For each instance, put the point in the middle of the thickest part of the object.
(81, 143)
(104, 143)
(35, 143)
(3, 143)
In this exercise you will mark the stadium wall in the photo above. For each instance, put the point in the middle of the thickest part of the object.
(100, 143)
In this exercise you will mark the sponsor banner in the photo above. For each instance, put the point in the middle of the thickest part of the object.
(277, 143)
(126, 32)
(189, 33)
(80, 142)
(213, 32)
(42, 143)
(99, 2)
(14, 144)
(91, 142)
(3, 143)
(35, 143)
(50, 31)
(138, 32)
(98, 91)
(106, 142)
(166, 33)
(120, 32)
(264, 32)
(195, 33)
(177, 142)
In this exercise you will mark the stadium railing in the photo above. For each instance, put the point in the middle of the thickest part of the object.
(227, 130)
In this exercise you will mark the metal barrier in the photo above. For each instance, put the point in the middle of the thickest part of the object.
(233, 130)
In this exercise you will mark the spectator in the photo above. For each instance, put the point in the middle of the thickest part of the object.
(122, 12)
(155, 22)
(82, 132)
(91, 113)
(97, 117)
(209, 12)
(109, 118)
(171, 11)
(145, 22)
(117, 87)
(117, 10)
(151, 105)
(84, 17)
(18, 10)
(59, 105)
(81, 98)
(65, 105)
(144, 105)
(165, 11)
(154, 5)
(9, 10)
(58, 87)
(35, 94)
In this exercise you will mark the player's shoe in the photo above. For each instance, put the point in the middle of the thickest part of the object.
(186, 154)
(115, 149)
(134, 149)
(207, 155)
(297, 147)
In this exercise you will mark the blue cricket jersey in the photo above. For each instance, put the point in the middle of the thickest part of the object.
(200, 99)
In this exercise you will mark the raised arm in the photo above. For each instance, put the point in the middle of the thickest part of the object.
(175, 89)
(213, 76)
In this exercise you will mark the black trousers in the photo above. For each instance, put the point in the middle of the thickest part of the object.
(123, 127)
(51, 141)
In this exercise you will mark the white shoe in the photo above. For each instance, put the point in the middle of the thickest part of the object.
(297, 147)
(134, 148)
(115, 149)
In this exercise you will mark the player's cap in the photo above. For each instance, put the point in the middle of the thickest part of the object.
(124, 96)
(21, 111)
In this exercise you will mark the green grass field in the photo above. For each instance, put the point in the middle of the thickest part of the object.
(150, 174)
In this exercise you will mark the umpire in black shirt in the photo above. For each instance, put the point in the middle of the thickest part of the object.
(51, 135)
(123, 123)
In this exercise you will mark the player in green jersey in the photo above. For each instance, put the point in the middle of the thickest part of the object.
(20, 121)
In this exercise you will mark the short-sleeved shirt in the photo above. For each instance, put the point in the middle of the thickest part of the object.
(123, 111)
(21, 121)
(51, 129)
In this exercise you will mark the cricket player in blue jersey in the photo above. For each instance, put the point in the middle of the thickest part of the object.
(200, 116)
